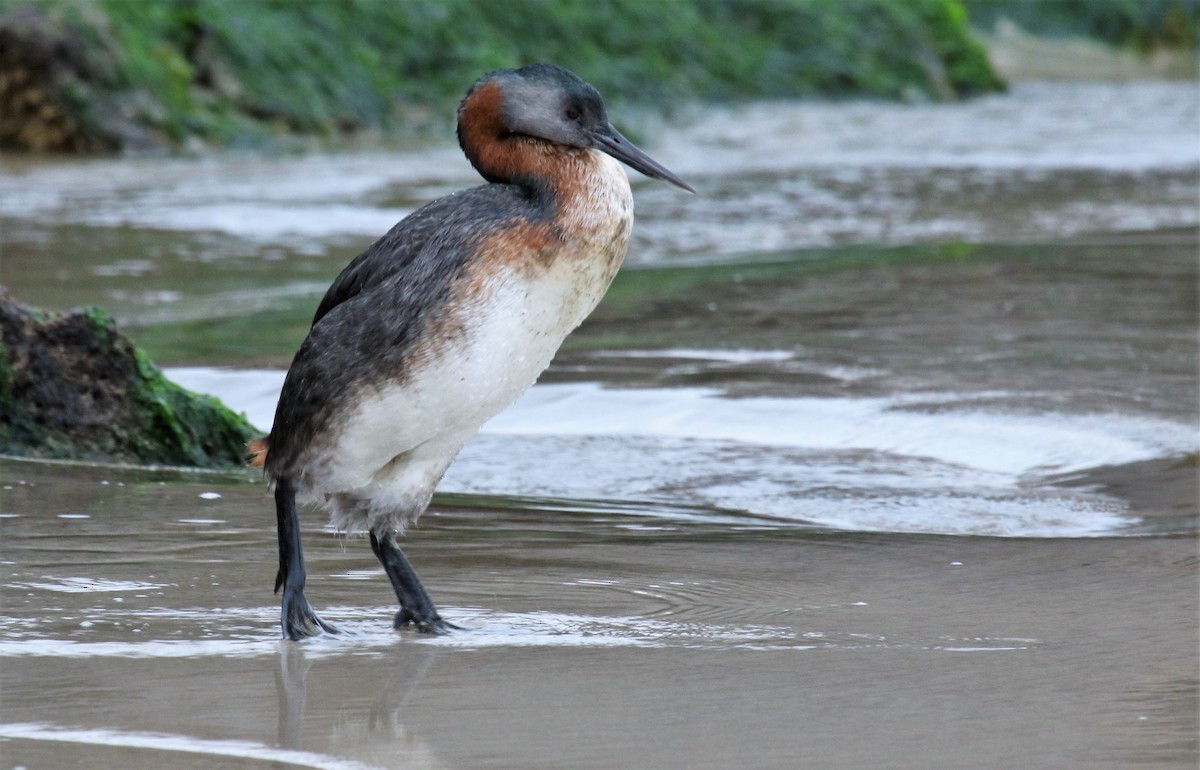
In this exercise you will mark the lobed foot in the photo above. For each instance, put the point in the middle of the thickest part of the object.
(298, 618)
(428, 625)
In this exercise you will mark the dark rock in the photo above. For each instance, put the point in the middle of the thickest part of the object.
(58, 91)
(71, 386)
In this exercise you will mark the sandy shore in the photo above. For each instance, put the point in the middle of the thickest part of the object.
(145, 636)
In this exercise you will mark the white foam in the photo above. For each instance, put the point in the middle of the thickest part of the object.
(893, 464)
(267, 222)
(179, 744)
(1037, 125)
(161, 648)
(884, 157)
(1013, 444)
(266, 199)
(697, 354)
(364, 630)
(85, 585)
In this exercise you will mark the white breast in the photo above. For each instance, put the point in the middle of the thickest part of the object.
(400, 438)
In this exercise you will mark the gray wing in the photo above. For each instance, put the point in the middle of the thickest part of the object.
(389, 255)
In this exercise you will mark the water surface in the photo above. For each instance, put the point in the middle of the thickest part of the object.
(146, 635)
(882, 452)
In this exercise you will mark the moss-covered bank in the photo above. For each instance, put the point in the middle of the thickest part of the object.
(1143, 25)
(72, 387)
(105, 74)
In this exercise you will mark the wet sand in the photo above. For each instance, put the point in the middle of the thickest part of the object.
(146, 636)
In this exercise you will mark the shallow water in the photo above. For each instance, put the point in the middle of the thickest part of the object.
(158, 238)
(882, 452)
(142, 633)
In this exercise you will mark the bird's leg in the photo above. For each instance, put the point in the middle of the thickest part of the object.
(298, 618)
(415, 605)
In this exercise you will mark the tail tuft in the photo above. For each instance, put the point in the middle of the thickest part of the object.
(257, 450)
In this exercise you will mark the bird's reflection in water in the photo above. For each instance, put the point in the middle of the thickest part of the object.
(379, 737)
(291, 687)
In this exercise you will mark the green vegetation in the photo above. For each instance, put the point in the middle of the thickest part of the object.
(71, 386)
(229, 72)
(234, 338)
(1144, 25)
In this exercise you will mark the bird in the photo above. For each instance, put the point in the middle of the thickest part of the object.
(446, 320)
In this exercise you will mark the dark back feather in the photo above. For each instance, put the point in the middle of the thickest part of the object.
(369, 324)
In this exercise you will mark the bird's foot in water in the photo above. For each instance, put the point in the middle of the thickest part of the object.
(298, 618)
(431, 624)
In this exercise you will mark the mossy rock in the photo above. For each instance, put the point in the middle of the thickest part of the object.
(71, 386)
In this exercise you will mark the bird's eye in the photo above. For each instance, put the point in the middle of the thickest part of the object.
(572, 114)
